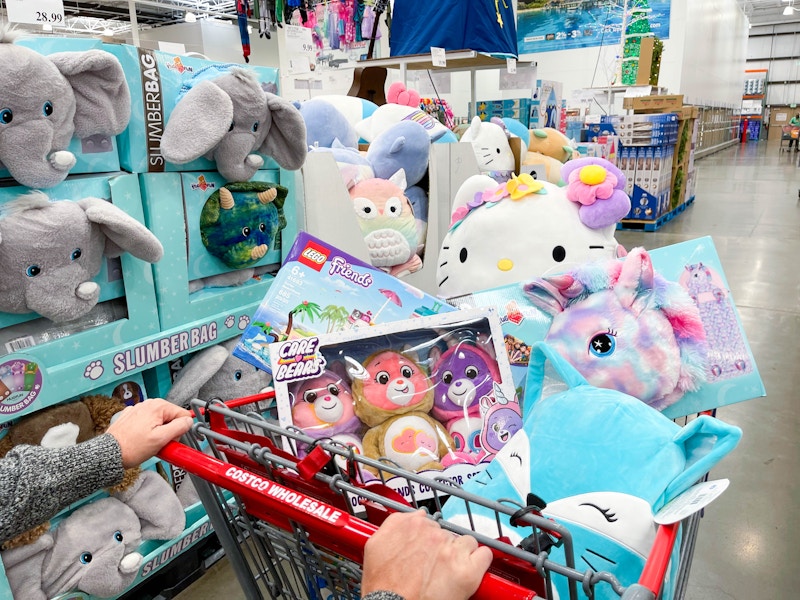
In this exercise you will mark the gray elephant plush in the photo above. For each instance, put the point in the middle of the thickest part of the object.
(46, 100)
(51, 251)
(227, 119)
(94, 550)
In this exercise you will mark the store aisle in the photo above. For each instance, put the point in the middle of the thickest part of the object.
(747, 199)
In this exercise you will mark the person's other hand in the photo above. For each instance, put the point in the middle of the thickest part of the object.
(412, 556)
(143, 429)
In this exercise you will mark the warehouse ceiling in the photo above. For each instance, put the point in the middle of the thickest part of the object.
(769, 11)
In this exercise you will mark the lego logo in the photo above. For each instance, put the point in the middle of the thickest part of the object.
(314, 256)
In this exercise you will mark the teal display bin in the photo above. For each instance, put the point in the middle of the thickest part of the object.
(172, 203)
(97, 154)
(155, 79)
(62, 360)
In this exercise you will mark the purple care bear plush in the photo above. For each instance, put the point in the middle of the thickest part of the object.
(323, 406)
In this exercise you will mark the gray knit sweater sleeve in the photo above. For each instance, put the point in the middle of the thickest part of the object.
(382, 596)
(36, 483)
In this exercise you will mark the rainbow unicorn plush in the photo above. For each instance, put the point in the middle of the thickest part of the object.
(624, 327)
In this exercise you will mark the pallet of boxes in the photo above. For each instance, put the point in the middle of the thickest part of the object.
(672, 129)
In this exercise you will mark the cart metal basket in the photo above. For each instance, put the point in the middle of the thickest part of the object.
(297, 528)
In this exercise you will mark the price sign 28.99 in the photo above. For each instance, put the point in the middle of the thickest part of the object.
(41, 12)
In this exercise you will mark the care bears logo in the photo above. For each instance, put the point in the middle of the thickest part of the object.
(202, 184)
(298, 359)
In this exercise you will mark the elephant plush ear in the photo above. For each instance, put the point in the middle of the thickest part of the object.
(203, 366)
(123, 232)
(286, 138)
(102, 98)
(197, 124)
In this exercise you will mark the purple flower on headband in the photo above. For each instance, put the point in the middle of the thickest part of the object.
(598, 187)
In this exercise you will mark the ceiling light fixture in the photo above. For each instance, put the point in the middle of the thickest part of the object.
(788, 11)
(190, 17)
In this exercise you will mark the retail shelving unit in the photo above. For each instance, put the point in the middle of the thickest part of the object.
(718, 129)
(753, 96)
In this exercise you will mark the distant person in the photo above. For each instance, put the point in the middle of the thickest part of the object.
(795, 125)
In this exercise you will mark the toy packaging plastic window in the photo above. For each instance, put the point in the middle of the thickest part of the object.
(431, 394)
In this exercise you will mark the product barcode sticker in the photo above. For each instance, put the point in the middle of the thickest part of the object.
(689, 502)
(20, 344)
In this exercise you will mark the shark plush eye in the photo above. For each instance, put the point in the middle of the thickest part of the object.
(86, 558)
(33, 270)
(47, 109)
(365, 208)
(6, 116)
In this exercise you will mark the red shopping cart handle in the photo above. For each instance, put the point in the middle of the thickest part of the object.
(325, 524)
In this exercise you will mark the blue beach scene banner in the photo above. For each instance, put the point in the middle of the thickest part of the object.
(545, 25)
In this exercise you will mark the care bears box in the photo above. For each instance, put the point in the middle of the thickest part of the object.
(156, 80)
(730, 374)
(93, 154)
(221, 241)
(50, 346)
(319, 289)
(432, 395)
(169, 526)
(330, 213)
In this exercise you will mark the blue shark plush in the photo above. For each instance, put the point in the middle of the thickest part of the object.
(604, 462)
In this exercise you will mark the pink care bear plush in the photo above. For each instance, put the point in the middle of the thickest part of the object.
(393, 396)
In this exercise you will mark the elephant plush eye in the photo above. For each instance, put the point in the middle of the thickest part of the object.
(233, 123)
(86, 558)
(255, 126)
(76, 254)
(246, 231)
(118, 536)
(237, 375)
(6, 116)
(262, 228)
(33, 271)
(47, 109)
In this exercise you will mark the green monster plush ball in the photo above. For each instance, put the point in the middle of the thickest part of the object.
(240, 222)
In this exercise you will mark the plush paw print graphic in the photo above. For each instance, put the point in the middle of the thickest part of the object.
(230, 321)
(94, 370)
(411, 441)
(244, 321)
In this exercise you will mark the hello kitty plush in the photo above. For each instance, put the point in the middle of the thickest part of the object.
(393, 395)
(524, 228)
(492, 150)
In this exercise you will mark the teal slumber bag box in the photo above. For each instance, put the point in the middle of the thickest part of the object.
(157, 81)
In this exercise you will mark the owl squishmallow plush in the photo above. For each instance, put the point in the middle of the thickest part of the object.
(387, 222)
(393, 395)
(524, 228)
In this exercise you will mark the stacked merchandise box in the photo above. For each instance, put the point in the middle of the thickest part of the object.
(684, 156)
(514, 108)
(547, 105)
(647, 148)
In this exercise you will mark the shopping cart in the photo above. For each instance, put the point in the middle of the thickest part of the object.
(788, 133)
(297, 528)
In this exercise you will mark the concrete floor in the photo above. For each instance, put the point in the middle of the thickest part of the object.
(748, 542)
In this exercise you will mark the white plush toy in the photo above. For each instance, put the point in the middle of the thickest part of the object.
(524, 228)
(492, 150)
(388, 115)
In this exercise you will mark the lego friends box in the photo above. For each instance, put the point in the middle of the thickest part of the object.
(320, 289)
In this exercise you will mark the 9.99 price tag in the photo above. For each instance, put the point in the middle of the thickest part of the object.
(36, 12)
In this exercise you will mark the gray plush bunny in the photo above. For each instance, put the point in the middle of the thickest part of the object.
(46, 100)
(51, 251)
(230, 117)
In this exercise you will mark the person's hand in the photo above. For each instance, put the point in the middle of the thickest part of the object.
(143, 429)
(412, 556)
